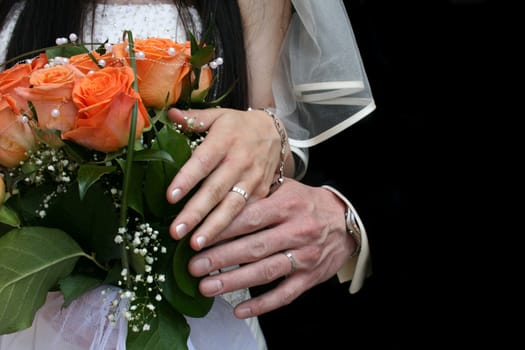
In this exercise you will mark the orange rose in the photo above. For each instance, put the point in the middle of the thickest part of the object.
(85, 64)
(205, 80)
(161, 72)
(2, 190)
(39, 62)
(50, 93)
(105, 99)
(18, 76)
(17, 136)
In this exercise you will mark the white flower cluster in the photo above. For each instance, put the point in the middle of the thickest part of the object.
(43, 165)
(193, 125)
(145, 246)
(46, 163)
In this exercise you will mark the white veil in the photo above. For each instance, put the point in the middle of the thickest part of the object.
(320, 87)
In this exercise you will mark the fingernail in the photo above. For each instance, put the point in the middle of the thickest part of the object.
(181, 230)
(201, 266)
(201, 241)
(243, 312)
(211, 287)
(175, 195)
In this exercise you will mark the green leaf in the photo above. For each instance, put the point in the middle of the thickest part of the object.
(168, 331)
(138, 263)
(113, 276)
(67, 50)
(32, 262)
(200, 97)
(153, 154)
(77, 152)
(201, 53)
(159, 115)
(74, 286)
(9, 216)
(28, 205)
(160, 174)
(136, 183)
(186, 282)
(193, 306)
(216, 102)
(202, 56)
(88, 174)
(50, 137)
(92, 222)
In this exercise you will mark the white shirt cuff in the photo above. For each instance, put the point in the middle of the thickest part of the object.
(357, 268)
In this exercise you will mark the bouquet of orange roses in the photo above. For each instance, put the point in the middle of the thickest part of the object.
(86, 155)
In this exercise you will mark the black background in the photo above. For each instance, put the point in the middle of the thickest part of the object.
(417, 175)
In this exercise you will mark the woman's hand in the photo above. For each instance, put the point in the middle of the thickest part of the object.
(241, 149)
(306, 221)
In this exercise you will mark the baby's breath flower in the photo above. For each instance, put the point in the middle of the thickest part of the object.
(145, 288)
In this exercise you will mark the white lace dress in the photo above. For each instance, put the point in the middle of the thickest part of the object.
(83, 324)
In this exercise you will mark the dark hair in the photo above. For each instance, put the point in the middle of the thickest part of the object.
(42, 21)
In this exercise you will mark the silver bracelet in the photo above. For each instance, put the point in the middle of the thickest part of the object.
(284, 140)
(353, 229)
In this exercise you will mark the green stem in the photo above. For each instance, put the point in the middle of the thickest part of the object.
(129, 162)
(92, 258)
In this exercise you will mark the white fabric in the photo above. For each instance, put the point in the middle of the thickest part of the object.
(320, 86)
(84, 325)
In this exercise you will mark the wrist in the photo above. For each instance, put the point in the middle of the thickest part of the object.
(286, 162)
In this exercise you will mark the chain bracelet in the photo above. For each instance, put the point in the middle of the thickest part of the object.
(284, 140)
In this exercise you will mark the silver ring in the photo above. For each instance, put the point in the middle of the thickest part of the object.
(292, 262)
(240, 191)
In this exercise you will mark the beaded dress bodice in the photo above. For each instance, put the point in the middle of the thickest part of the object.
(144, 20)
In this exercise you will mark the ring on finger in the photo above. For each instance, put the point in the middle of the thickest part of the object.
(240, 191)
(293, 263)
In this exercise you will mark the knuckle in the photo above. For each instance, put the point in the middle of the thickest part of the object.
(288, 295)
(311, 255)
(272, 270)
(258, 249)
(215, 192)
(204, 159)
(254, 218)
(186, 178)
